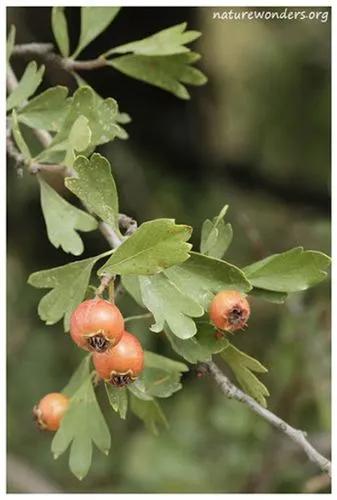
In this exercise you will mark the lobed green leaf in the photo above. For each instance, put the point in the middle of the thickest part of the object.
(82, 425)
(101, 116)
(169, 306)
(242, 366)
(291, 271)
(63, 220)
(216, 236)
(29, 82)
(47, 110)
(69, 284)
(201, 346)
(166, 72)
(200, 277)
(166, 42)
(95, 187)
(155, 245)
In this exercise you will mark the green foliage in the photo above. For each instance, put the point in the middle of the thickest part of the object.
(18, 137)
(150, 412)
(167, 72)
(78, 377)
(291, 271)
(80, 134)
(269, 295)
(118, 399)
(121, 118)
(243, 367)
(216, 235)
(101, 118)
(166, 42)
(47, 110)
(60, 30)
(200, 277)
(63, 219)
(169, 306)
(155, 245)
(29, 82)
(69, 284)
(82, 425)
(94, 20)
(161, 376)
(95, 187)
(153, 360)
(10, 42)
(201, 347)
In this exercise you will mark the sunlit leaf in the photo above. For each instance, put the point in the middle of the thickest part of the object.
(94, 20)
(10, 42)
(47, 110)
(60, 30)
(18, 137)
(101, 118)
(167, 72)
(29, 82)
(120, 119)
(166, 42)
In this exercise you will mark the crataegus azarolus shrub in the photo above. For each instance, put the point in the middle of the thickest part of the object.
(96, 325)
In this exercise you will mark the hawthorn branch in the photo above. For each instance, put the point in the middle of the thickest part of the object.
(32, 49)
(45, 52)
(296, 435)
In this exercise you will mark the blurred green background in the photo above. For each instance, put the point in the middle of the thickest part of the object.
(257, 137)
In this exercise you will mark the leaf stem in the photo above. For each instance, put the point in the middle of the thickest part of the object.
(138, 316)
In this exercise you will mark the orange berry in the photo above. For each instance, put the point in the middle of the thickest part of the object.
(229, 310)
(96, 325)
(50, 411)
(123, 363)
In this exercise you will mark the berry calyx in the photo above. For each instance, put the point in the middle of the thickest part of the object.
(229, 310)
(49, 412)
(122, 364)
(96, 325)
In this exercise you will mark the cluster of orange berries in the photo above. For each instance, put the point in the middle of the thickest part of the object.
(97, 325)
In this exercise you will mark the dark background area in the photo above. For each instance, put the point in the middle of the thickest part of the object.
(257, 137)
